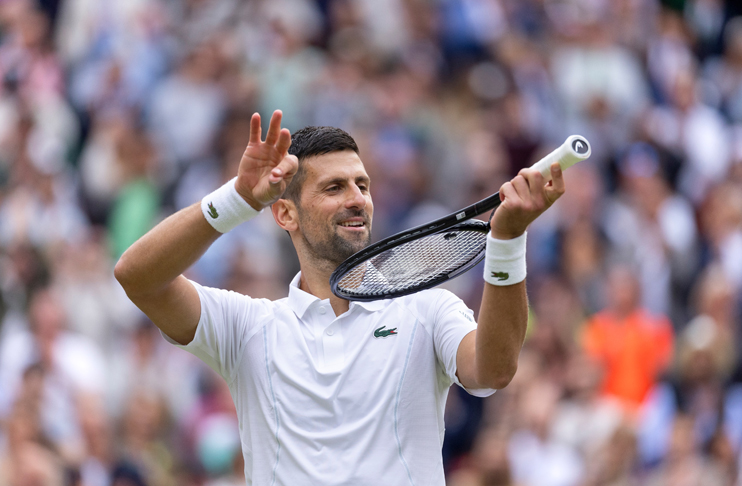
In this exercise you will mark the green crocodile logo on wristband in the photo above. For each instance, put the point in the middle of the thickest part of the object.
(212, 211)
(500, 276)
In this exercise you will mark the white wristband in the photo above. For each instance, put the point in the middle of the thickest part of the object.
(224, 208)
(505, 260)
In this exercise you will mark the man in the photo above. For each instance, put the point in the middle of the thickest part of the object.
(327, 391)
(633, 346)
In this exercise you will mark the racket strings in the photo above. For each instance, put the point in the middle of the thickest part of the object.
(414, 264)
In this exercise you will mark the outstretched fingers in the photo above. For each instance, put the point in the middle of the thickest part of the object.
(274, 129)
(284, 142)
(287, 164)
(255, 129)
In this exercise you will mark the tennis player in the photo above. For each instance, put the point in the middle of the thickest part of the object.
(330, 392)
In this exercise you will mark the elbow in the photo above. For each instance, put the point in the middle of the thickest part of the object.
(136, 281)
(497, 379)
(119, 271)
(500, 382)
(122, 273)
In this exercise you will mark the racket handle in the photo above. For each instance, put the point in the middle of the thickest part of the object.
(575, 149)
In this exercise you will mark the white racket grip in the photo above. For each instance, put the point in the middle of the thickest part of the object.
(575, 149)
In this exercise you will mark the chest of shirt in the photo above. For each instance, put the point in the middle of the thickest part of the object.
(357, 342)
(332, 367)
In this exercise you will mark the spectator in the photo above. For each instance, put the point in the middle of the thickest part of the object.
(186, 109)
(721, 216)
(26, 456)
(633, 346)
(654, 228)
(725, 72)
(112, 114)
(615, 461)
(587, 419)
(536, 457)
(685, 464)
(72, 364)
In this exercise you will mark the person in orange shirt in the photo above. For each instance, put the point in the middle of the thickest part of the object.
(634, 346)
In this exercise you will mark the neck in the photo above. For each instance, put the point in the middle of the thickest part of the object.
(623, 312)
(315, 280)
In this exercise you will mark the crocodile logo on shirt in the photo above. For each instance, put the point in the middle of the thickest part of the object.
(380, 332)
(212, 211)
(500, 276)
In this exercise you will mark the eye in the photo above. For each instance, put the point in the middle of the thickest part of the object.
(333, 188)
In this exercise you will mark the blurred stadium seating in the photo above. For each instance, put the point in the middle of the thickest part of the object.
(115, 114)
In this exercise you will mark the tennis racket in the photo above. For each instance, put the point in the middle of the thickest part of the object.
(429, 254)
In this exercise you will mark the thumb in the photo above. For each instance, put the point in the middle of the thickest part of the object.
(285, 170)
(556, 188)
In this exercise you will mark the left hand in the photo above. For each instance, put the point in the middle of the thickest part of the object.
(524, 199)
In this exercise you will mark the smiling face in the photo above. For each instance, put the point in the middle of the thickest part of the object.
(334, 207)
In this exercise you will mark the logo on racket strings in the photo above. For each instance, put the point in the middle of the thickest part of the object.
(212, 211)
(501, 276)
(381, 332)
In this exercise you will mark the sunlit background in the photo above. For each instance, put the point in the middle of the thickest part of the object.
(114, 114)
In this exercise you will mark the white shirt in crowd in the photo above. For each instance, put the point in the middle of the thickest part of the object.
(323, 400)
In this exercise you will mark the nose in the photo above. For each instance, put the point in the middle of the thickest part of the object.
(356, 199)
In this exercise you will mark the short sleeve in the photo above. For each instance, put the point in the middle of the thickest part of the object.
(452, 320)
(228, 320)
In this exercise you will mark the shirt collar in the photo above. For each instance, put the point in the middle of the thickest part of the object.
(300, 301)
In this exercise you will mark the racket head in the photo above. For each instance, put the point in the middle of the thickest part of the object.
(395, 270)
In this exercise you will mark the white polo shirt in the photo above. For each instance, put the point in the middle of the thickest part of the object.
(356, 399)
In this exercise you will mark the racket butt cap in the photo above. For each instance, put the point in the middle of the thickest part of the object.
(575, 149)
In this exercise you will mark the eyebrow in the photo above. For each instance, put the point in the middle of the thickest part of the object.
(342, 180)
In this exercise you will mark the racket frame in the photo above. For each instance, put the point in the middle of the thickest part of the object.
(438, 226)
(575, 149)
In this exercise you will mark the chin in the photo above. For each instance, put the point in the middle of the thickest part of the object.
(360, 242)
(347, 247)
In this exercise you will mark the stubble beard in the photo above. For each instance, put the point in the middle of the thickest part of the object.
(327, 245)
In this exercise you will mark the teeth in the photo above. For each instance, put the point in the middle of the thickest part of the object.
(353, 223)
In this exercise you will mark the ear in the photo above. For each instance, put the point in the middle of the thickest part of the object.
(285, 213)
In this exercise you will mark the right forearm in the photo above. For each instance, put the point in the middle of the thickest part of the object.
(150, 271)
(165, 252)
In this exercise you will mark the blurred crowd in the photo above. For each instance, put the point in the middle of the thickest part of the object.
(115, 114)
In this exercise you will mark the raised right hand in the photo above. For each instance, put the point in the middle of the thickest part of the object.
(266, 169)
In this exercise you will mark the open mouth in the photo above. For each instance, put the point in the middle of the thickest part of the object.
(352, 224)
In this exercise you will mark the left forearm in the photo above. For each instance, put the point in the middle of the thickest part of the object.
(489, 357)
(503, 317)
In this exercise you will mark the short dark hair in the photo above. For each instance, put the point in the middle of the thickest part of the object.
(310, 142)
